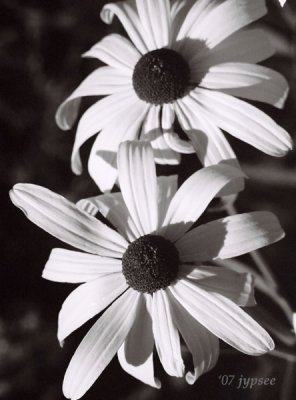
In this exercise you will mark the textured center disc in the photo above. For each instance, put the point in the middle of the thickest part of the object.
(150, 263)
(161, 76)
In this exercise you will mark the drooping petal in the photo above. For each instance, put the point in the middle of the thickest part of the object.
(230, 237)
(101, 114)
(244, 121)
(250, 81)
(75, 267)
(137, 178)
(116, 51)
(65, 221)
(102, 164)
(238, 287)
(193, 197)
(87, 301)
(223, 318)
(166, 336)
(225, 19)
(155, 20)
(167, 187)
(126, 12)
(112, 207)
(102, 81)
(201, 343)
(100, 345)
(136, 353)
(177, 144)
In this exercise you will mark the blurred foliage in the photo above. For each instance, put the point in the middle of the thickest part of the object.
(40, 64)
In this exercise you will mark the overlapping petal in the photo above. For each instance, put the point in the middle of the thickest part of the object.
(65, 221)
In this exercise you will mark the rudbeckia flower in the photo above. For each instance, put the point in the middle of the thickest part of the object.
(185, 59)
(151, 271)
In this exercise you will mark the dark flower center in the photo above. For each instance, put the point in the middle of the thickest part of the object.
(161, 76)
(150, 263)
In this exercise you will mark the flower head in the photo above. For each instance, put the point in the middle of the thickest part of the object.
(151, 271)
(185, 59)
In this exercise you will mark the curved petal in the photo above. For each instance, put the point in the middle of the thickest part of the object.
(244, 121)
(116, 51)
(102, 81)
(126, 12)
(87, 301)
(155, 20)
(102, 164)
(201, 343)
(75, 267)
(167, 187)
(100, 345)
(223, 318)
(177, 144)
(230, 237)
(227, 18)
(254, 82)
(136, 354)
(179, 11)
(237, 287)
(193, 197)
(137, 178)
(166, 336)
(101, 114)
(65, 221)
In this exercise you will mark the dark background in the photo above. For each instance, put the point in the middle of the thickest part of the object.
(40, 64)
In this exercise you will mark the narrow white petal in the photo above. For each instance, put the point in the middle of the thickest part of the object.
(75, 267)
(230, 237)
(65, 221)
(225, 19)
(155, 20)
(223, 318)
(250, 81)
(87, 301)
(244, 121)
(116, 51)
(167, 117)
(166, 336)
(136, 353)
(201, 343)
(100, 345)
(126, 12)
(177, 144)
(193, 197)
(102, 81)
(137, 178)
(102, 165)
(167, 187)
(101, 114)
(238, 287)
(179, 11)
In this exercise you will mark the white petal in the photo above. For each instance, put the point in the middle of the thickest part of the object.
(179, 11)
(201, 343)
(155, 20)
(65, 221)
(87, 301)
(250, 81)
(193, 197)
(167, 187)
(112, 207)
(126, 12)
(230, 237)
(166, 336)
(116, 51)
(225, 19)
(247, 46)
(177, 144)
(102, 81)
(102, 164)
(136, 353)
(167, 117)
(238, 287)
(244, 122)
(75, 267)
(137, 178)
(152, 132)
(223, 318)
(101, 114)
(100, 345)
